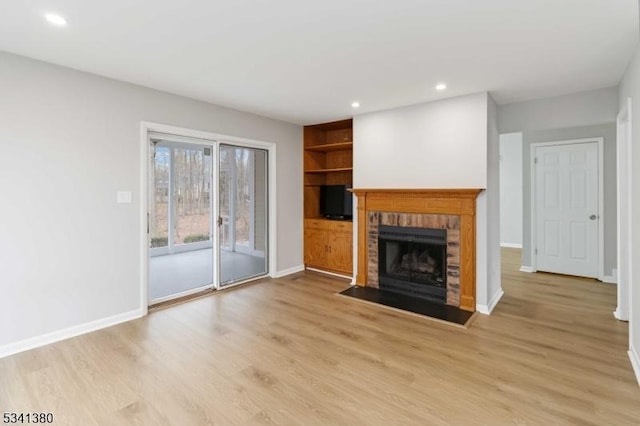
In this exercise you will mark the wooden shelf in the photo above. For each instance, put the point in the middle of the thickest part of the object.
(340, 169)
(331, 147)
(328, 160)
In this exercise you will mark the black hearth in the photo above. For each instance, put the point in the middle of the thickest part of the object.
(412, 261)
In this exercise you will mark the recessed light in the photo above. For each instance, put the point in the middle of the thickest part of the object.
(355, 104)
(441, 86)
(56, 20)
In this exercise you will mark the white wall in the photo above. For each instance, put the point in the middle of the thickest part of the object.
(511, 189)
(70, 255)
(451, 143)
(488, 262)
(574, 110)
(438, 144)
(630, 88)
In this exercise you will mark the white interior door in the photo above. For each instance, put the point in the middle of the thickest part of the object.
(566, 209)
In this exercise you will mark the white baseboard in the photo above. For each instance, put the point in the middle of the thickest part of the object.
(289, 271)
(486, 309)
(611, 279)
(67, 333)
(620, 317)
(528, 269)
(635, 362)
(511, 245)
(331, 273)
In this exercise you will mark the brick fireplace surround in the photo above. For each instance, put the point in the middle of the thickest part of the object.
(451, 209)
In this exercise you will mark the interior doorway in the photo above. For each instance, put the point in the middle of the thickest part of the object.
(567, 234)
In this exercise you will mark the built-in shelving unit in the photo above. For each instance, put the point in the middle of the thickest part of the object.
(331, 147)
(339, 169)
(328, 160)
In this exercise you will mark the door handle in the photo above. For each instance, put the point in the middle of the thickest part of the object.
(219, 220)
(593, 217)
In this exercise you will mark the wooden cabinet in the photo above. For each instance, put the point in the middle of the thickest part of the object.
(315, 247)
(328, 160)
(328, 245)
(341, 251)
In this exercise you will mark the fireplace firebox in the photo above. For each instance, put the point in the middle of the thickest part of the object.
(413, 261)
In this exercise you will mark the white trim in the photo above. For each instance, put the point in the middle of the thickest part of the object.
(144, 218)
(181, 294)
(609, 279)
(201, 134)
(511, 245)
(67, 333)
(617, 316)
(486, 309)
(635, 361)
(172, 140)
(527, 269)
(215, 208)
(532, 173)
(624, 168)
(331, 273)
(231, 284)
(273, 217)
(289, 271)
(207, 138)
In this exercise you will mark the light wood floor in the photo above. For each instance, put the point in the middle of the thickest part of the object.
(288, 351)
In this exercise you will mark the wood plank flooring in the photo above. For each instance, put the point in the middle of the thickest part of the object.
(289, 351)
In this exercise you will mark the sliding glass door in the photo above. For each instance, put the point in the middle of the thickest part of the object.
(191, 193)
(242, 222)
(180, 218)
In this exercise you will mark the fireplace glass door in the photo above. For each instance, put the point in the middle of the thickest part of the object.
(412, 261)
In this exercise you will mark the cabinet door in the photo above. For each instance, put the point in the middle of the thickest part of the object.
(315, 247)
(340, 252)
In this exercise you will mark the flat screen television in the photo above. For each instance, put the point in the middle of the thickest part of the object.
(336, 202)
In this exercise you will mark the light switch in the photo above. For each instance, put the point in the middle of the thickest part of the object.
(124, 197)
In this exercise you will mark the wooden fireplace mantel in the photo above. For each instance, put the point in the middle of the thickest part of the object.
(459, 202)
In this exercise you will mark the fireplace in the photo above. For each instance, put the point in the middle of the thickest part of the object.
(446, 219)
(413, 261)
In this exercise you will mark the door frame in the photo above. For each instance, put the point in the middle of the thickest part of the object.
(216, 139)
(532, 166)
(624, 167)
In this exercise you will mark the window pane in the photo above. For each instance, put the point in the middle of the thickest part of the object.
(192, 168)
(159, 206)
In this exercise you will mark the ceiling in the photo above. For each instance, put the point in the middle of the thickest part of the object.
(306, 62)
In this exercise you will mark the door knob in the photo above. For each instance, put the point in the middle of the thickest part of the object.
(593, 217)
